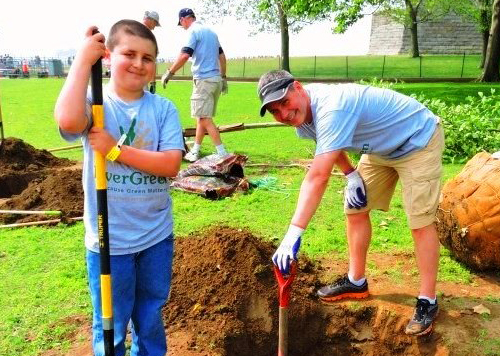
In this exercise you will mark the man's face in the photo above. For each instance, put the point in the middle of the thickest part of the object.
(150, 23)
(293, 108)
(133, 62)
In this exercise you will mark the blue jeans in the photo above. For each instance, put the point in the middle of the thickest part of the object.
(140, 287)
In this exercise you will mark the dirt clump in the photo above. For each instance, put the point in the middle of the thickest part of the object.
(17, 155)
(32, 179)
(469, 213)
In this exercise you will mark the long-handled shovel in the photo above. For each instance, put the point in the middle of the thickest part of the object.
(284, 290)
(102, 215)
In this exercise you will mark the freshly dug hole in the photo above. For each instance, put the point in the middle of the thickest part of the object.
(224, 296)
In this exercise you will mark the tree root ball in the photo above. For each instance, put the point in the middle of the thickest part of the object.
(469, 214)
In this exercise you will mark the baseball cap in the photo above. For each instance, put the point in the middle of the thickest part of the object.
(185, 12)
(273, 86)
(153, 15)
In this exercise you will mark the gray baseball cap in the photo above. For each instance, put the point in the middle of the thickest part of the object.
(153, 15)
(273, 86)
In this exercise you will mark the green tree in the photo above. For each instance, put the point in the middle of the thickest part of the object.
(409, 13)
(271, 16)
(479, 12)
(492, 63)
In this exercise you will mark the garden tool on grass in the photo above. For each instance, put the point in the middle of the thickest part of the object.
(102, 214)
(284, 291)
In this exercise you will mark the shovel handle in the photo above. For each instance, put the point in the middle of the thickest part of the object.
(285, 284)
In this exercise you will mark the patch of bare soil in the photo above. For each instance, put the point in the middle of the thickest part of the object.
(224, 303)
(34, 180)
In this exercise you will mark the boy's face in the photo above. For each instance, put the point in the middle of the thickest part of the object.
(293, 108)
(133, 62)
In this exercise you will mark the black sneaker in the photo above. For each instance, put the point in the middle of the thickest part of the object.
(423, 318)
(343, 288)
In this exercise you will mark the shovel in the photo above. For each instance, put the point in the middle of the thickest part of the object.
(102, 214)
(284, 290)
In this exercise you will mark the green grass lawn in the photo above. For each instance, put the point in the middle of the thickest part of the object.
(42, 269)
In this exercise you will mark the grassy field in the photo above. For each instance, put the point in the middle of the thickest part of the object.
(43, 268)
(357, 67)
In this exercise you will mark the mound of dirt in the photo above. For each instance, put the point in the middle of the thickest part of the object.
(224, 302)
(32, 179)
(17, 155)
(57, 190)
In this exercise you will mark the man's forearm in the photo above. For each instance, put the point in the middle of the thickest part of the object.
(311, 193)
(344, 163)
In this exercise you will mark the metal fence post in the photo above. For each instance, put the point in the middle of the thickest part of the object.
(420, 62)
(347, 66)
(314, 72)
(383, 67)
(463, 63)
(243, 67)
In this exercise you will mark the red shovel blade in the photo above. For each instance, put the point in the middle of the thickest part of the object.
(285, 284)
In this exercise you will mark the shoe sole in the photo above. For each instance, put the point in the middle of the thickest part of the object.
(345, 296)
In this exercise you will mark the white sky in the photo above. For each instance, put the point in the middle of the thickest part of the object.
(54, 27)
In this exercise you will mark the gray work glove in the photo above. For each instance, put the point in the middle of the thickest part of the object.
(166, 77)
(224, 86)
(355, 193)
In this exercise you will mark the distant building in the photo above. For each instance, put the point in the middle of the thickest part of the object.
(450, 35)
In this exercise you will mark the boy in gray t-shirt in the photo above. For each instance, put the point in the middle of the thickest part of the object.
(142, 141)
(399, 139)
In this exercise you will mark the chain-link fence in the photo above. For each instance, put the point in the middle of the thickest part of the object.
(25, 67)
(327, 67)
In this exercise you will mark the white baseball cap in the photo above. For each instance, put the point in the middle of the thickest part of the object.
(153, 15)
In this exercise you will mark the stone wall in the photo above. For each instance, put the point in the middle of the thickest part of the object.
(450, 35)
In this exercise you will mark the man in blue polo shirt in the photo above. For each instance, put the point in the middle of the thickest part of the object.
(209, 79)
(399, 138)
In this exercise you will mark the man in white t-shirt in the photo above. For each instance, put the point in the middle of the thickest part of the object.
(399, 138)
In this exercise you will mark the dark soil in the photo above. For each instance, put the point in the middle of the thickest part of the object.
(32, 179)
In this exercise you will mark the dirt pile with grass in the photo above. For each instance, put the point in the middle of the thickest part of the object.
(32, 179)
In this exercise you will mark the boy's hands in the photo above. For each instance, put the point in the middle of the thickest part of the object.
(93, 47)
(100, 140)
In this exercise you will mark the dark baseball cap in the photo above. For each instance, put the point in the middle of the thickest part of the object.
(273, 86)
(185, 12)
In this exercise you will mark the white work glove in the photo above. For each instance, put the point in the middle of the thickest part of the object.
(496, 155)
(224, 86)
(355, 193)
(288, 249)
(166, 77)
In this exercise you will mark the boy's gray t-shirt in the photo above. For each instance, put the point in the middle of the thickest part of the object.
(366, 119)
(139, 204)
(205, 45)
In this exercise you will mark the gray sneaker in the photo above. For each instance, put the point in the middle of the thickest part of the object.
(343, 288)
(423, 318)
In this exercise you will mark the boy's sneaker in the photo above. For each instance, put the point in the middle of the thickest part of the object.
(192, 156)
(423, 318)
(343, 288)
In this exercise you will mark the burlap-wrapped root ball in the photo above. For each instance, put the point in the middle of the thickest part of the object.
(469, 213)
